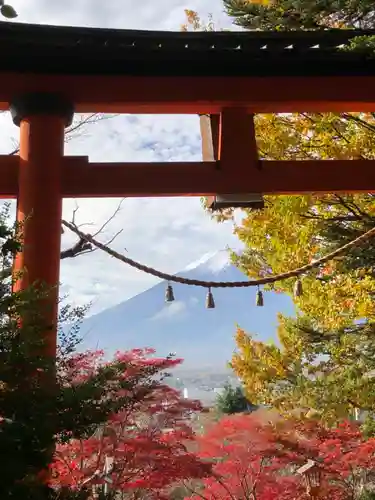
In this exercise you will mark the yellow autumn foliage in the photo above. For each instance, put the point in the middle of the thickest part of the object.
(322, 358)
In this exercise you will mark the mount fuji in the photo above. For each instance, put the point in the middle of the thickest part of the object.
(203, 337)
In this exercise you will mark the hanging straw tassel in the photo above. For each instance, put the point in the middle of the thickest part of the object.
(259, 299)
(210, 301)
(169, 295)
(298, 288)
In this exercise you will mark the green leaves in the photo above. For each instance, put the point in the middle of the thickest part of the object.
(362, 44)
(8, 11)
(301, 14)
(232, 400)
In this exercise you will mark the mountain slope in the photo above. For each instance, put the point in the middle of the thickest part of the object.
(203, 337)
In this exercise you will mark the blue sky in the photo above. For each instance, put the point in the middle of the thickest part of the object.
(165, 233)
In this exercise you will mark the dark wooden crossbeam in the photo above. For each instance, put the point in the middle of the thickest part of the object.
(96, 51)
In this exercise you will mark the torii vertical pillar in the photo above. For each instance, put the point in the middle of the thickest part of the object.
(42, 119)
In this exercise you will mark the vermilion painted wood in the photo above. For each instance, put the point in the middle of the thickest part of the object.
(194, 95)
(200, 179)
(9, 166)
(238, 152)
(40, 203)
(81, 179)
(164, 73)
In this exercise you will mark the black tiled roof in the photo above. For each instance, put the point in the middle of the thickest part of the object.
(74, 50)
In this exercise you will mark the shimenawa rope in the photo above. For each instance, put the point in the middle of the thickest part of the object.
(219, 284)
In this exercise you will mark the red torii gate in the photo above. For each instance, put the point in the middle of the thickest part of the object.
(47, 73)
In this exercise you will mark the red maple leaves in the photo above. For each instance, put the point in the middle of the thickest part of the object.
(146, 444)
(254, 459)
(246, 462)
(144, 441)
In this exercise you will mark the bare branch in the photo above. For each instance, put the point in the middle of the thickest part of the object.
(75, 130)
(75, 213)
(15, 151)
(82, 247)
(71, 132)
(77, 249)
(113, 238)
(101, 229)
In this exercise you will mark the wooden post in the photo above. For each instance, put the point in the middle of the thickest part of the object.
(238, 151)
(42, 119)
(210, 133)
(230, 138)
(210, 129)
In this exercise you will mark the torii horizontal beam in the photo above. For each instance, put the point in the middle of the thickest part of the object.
(41, 176)
(81, 179)
(195, 95)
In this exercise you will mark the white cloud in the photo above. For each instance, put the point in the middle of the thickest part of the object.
(194, 301)
(124, 14)
(165, 233)
(176, 308)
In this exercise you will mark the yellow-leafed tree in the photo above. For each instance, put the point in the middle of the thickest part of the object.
(324, 359)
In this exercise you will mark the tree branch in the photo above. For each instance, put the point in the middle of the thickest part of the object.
(348, 218)
(353, 208)
(71, 132)
(358, 121)
(82, 247)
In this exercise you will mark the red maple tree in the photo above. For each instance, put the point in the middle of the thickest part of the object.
(255, 460)
(345, 456)
(142, 444)
(246, 462)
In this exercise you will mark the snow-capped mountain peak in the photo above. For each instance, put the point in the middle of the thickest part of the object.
(202, 337)
(213, 262)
